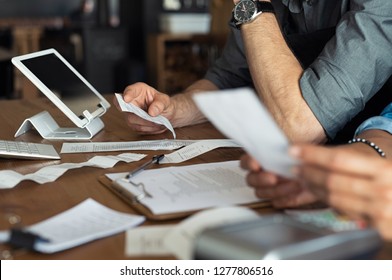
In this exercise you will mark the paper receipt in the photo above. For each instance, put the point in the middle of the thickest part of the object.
(129, 107)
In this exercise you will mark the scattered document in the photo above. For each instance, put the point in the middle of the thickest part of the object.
(96, 147)
(193, 148)
(147, 241)
(190, 148)
(181, 239)
(129, 107)
(83, 223)
(198, 148)
(10, 178)
(189, 188)
(241, 116)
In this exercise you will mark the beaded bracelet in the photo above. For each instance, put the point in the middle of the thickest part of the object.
(371, 144)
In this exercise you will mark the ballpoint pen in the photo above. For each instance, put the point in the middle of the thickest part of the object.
(155, 159)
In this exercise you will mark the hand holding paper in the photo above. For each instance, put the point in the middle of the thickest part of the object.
(129, 107)
(241, 116)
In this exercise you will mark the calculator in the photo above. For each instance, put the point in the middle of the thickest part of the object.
(326, 218)
(288, 237)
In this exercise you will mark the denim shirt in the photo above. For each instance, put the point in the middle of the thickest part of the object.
(348, 68)
(381, 122)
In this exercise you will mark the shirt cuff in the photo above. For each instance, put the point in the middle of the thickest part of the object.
(379, 122)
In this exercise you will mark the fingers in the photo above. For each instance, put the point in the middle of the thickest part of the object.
(385, 228)
(322, 181)
(359, 198)
(376, 212)
(139, 94)
(294, 200)
(329, 177)
(260, 179)
(282, 193)
(287, 195)
(150, 100)
(353, 206)
(159, 105)
(143, 126)
(267, 185)
(365, 197)
(249, 163)
(146, 98)
(337, 159)
(277, 191)
(264, 183)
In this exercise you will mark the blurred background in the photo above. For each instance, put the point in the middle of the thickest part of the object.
(113, 43)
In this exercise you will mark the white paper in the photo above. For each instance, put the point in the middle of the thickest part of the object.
(81, 224)
(10, 178)
(181, 239)
(192, 187)
(147, 241)
(178, 240)
(129, 107)
(4, 235)
(96, 147)
(241, 116)
(198, 148)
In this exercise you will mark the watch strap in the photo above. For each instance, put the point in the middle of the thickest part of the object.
(265, 7)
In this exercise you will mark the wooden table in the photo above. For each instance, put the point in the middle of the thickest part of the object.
(33, 202)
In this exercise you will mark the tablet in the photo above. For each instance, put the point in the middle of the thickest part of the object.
(63, 85)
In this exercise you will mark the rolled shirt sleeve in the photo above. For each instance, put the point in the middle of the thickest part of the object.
(352, 67)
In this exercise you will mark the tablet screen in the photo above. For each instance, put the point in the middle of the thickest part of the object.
(64, 83)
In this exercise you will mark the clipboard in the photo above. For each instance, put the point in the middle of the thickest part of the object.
(137, 204)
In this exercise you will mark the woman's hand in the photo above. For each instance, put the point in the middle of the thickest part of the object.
(355, 183)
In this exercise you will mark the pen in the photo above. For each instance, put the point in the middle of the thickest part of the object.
(155, 159)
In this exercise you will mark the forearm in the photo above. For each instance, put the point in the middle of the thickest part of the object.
(276, 73)
(185, 110)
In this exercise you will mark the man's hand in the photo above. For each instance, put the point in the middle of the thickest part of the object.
(152, 101)
(282, 192)
(179, 109)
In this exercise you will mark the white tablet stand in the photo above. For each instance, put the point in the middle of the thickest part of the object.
(49, 129)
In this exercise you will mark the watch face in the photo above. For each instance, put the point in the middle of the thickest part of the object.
(245, 10)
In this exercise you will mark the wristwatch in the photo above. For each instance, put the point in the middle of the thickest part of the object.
(247, 10)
